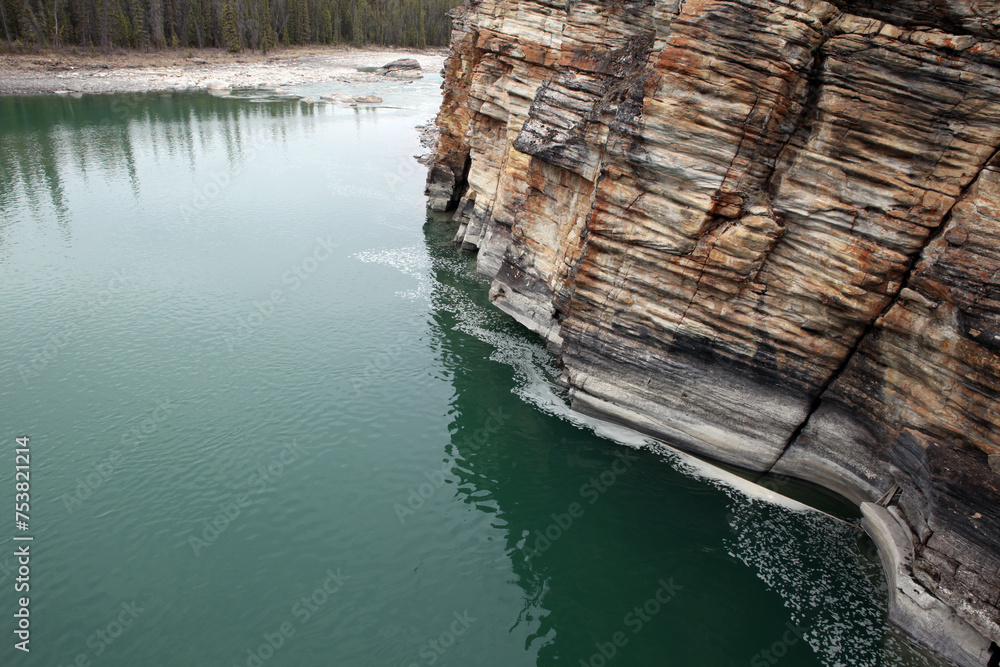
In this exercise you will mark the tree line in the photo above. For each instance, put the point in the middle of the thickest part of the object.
(231, 24)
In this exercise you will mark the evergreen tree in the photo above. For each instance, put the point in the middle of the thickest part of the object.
(230, 33)
(139, 34)
(268, 34)
(191, 36)
(326, 27)
(302, 28)
(232, 24)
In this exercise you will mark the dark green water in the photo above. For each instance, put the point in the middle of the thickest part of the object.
(274, 421)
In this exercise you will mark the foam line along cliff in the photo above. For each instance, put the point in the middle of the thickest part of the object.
(767, 232)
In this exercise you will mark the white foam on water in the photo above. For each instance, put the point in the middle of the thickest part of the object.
(831, 587)
(815, 563)
(535, 371)
(412, 261)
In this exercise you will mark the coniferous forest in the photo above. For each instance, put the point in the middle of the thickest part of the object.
(231, 24)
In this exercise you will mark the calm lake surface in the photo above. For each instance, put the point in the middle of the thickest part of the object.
(275, 421)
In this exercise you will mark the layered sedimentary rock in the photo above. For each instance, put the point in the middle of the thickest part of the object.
(767, 232)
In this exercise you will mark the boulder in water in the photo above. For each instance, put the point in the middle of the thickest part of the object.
(404, 68)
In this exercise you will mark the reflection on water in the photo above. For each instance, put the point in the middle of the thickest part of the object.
(46, 141)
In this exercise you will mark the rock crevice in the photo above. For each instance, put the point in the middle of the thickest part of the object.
(872, 327)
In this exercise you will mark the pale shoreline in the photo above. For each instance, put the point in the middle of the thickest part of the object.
(124, 72)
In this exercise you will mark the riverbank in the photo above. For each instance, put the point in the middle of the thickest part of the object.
(133, 71)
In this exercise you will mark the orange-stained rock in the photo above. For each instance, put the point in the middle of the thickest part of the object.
(764, 231)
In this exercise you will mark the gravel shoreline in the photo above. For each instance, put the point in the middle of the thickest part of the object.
(123, 72)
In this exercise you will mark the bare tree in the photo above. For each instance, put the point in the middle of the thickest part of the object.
(156, 24)
(3, 13)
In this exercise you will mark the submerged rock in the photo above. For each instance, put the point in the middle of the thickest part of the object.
(351, 99)
(764, 232)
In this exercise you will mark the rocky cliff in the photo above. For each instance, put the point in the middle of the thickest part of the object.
(767, 232)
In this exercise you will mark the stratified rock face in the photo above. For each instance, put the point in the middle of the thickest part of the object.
(764, 231)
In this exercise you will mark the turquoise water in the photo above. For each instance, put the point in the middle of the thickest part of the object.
(274, 420)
